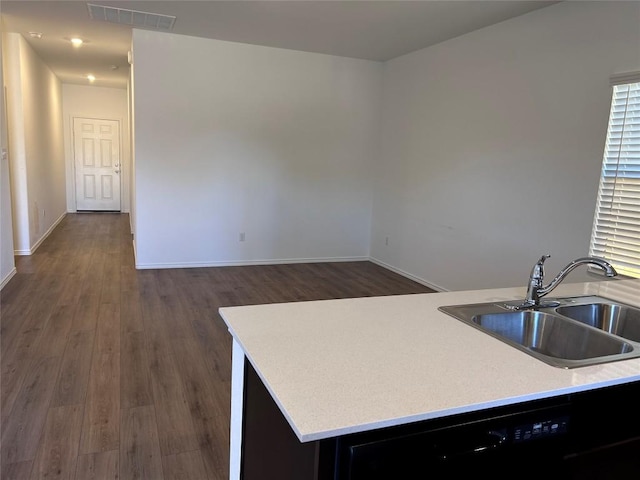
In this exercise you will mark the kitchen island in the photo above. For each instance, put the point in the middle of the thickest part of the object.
(340, 367)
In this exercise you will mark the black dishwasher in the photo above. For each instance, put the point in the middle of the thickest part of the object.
(575, 436)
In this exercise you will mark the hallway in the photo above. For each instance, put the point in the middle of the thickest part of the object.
(110, 372)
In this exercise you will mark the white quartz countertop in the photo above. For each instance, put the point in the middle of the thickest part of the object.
(336, 367)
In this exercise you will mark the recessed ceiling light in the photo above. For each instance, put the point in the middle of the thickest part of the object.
(37, 35)
(76, 41)
(91, 78)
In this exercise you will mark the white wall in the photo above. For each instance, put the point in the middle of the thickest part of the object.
(235, 138)
(102, 103)
(492, 144)
(7, 263)
(34, 108)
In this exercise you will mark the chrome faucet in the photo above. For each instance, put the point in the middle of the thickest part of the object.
(536, 288)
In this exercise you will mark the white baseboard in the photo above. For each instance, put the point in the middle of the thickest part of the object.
(240, 263)
(408, 275)
(135, 253)
(47, 233)
(9, 276)
(35, 246)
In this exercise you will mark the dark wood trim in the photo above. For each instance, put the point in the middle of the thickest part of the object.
(270, 449)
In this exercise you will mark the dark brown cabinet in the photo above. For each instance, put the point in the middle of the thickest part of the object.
(587, 435)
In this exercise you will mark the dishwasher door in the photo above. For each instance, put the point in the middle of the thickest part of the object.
(529, 444)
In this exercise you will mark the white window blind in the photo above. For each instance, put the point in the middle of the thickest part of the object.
(616, 227)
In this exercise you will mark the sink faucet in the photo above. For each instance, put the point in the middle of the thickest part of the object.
(536, 288)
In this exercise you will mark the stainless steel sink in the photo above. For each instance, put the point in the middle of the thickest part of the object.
(575, 332)
(617, 319)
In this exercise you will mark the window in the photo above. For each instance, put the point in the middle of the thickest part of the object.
(616, 226)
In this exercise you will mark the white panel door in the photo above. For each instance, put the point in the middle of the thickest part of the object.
(96, 145)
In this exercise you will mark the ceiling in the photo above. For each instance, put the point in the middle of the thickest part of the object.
(373, 30)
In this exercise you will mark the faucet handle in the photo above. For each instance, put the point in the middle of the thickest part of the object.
(537, 272)
(543, 258)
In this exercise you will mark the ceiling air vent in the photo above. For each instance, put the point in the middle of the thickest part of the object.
(132, 18)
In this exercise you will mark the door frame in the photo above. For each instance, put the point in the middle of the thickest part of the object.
(72, 205)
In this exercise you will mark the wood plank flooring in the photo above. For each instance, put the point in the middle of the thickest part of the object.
(113, 373)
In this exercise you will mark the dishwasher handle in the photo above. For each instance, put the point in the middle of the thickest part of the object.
(488, 441)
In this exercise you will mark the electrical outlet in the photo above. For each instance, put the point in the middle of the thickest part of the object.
(242, 236)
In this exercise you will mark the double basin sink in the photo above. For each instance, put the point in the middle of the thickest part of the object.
(566, 332)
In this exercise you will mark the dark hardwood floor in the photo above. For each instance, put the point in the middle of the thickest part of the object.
(109, 372)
